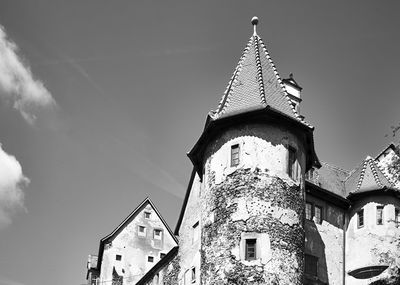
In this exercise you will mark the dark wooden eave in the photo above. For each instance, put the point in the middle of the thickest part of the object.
(327, 195)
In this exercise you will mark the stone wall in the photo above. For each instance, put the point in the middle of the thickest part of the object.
(257, 199)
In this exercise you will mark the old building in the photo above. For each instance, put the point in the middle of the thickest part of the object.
(260, 207)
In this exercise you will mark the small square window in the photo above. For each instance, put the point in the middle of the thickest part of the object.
(147, 215)
(162, 255)
(318, 214)
(308, 211)
(150, 258)
(235, 155)
(118, 257)
(142, 231)
(251, 249)
(360, 218)
(193, 275)
(157, 234)
(379, 215)
(397, 215)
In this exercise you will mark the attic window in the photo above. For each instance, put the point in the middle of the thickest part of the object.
(118, 257)
(162, 255)
(379, 215)
(142, 231)
(150, 258)
(147, 215)
(235, 155)
(157, 234)
(360, 218)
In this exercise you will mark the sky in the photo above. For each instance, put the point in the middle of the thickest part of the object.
(101, 100)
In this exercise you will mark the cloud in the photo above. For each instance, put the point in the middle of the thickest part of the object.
(17, 83)
(12, 181)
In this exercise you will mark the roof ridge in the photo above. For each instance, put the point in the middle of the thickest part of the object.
(362, 173)
(334, 166)
(223, 104)
(297, 115)
(259, 71)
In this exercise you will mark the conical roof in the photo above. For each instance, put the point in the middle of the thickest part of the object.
(367, 177)
(255, 85)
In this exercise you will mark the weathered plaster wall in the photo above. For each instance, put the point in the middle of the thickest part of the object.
(373, 244)
(135, 249)
(255, 198)
(325, 241)
(189, 244)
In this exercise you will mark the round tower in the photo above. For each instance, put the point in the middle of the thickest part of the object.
(373, 232)
(252, 157)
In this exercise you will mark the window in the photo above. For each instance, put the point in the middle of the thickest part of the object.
(310, 174)
(360, 218)
(157, 234)
(147, 215)
(318, 214)
(162, 255)
(379, 215)
(195, 232)
(118, 257)
(291, 168)
(397, 215)
(251, 249)
(311, 265)
(150, 258)
(308, 211)
(235, 155)
(142, 231)
(193, 275)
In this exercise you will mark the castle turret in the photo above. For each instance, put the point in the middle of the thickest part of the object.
(250, 162)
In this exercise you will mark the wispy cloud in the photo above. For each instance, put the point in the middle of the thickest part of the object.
(12, 182)
(17, 83)
(6, 281)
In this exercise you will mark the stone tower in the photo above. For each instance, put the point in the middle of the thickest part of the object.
(250, 160)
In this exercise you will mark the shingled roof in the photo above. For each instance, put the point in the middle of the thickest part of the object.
(367, 177)
(255, 85)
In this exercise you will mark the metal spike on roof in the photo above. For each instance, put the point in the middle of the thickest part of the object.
(255, 84)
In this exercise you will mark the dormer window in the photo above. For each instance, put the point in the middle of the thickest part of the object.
(235, 155)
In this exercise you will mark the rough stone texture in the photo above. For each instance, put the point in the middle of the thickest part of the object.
(255, 197)
(373, 244)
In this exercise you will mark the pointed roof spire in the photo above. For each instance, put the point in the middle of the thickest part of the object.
(255, 84)
(367, 177)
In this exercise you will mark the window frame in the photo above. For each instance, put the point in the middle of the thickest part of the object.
(142, 233)
(195, 232)
(235, 155)
(150, 257)
(118, 257)
(397, 215)
(360, 217)
(311, 211)
(193, 274)
(253, 243)
(379, 215)
(157, 237)
(147, 213)
(321, 214)
(291, 162)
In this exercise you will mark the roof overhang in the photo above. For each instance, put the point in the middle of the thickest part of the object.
(324, 194)
(353, 196)
(267, 115)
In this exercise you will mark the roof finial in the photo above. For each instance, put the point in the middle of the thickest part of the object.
(254, 22)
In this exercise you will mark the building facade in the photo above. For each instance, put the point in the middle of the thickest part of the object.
(260, 207)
